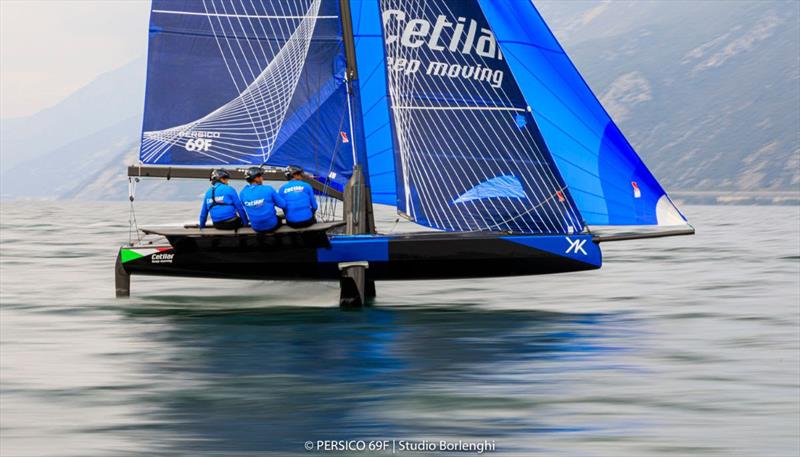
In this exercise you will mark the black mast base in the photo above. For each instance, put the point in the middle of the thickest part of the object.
(356, 290)
(369, 290)
(122, 280)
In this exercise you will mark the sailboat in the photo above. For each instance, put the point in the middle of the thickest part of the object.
(466, 117)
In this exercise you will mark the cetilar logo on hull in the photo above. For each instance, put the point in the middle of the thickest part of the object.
(198, 140)
(460, 36)
(162, 257)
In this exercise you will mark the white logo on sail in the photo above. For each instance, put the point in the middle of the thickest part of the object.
(198, 144)
(576, 246)
(459, 36)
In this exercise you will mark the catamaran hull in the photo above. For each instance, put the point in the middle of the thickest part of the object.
(429, 256)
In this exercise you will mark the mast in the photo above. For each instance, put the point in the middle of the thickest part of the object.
(356, 288)
(361, 204)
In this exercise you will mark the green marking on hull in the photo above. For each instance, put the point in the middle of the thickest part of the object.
(129, 254)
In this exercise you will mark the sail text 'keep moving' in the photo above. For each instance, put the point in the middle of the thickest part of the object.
(416, 33)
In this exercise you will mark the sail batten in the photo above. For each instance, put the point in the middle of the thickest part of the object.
(240, 16)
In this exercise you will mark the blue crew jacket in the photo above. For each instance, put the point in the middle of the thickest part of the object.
(227, 206)
(300, 201)
(259, 202)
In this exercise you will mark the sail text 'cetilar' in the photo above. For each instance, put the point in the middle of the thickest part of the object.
(464, 37)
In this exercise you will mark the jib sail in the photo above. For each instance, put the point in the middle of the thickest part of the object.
(467, 153)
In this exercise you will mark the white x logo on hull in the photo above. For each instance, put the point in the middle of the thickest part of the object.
(576, 246)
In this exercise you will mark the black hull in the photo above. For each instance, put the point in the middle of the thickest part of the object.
(320, 256)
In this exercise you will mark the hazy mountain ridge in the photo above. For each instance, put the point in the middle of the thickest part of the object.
(707, 92)
(74, 137)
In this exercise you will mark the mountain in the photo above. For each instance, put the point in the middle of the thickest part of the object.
(707, 92)
(111, 104)
(75, 163)
(108, 99)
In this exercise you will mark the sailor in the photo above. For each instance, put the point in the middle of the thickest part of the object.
(260, 201)
(301, 206)
(223, 203)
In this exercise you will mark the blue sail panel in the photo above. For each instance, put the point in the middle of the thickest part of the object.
(469, 155)
(241, 83)
(608, 181)
(375, 120)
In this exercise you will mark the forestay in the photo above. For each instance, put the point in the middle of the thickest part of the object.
(247, 82)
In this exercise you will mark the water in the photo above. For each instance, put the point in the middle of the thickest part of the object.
(677, 346)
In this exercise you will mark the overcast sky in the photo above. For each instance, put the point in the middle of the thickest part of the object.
(50, 48)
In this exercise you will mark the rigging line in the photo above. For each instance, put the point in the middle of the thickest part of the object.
(532, 209)
(460, 108)
(350, 116)
(133, 225)
(335, 151)
(246, 16)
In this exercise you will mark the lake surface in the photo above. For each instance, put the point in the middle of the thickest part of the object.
(678, 346)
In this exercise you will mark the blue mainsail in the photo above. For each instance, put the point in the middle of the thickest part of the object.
(240, 83)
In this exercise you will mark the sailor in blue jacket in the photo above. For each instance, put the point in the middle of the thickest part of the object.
(222, 202)
(260, 201)
(301, 205)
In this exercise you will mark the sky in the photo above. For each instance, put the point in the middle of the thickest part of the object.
(50, 48)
